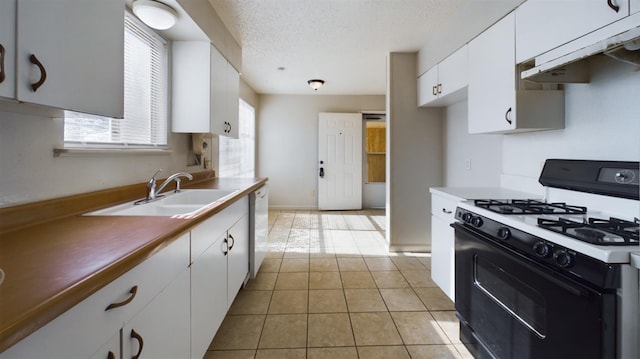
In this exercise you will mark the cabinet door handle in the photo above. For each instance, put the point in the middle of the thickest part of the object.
(233, 241)
(138, 338)
(434, 90)
(2, 74)
(225, 251)
(229, 124)
(133, 292)
(111, 355)
(444, 210)
(43, 73)
(439, 88)
(613, 6)
(507, 116)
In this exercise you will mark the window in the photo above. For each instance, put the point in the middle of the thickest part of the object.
(375, 150)
(237, 156)
(145, 98)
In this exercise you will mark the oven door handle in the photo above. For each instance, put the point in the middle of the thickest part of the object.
(635, 259)
(564, 282)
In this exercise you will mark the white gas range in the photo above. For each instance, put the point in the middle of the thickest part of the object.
(555, 276)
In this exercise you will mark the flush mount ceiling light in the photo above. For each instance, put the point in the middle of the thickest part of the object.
(155, 14)
(315, 84)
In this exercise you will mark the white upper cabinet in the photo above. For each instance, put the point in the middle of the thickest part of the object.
(496, 105)
(205, 90)
(634, 6)
(70, 54)
(542, 25)
(7, 49)
(445, 83)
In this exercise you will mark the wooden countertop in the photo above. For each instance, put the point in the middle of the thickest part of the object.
(52, 266)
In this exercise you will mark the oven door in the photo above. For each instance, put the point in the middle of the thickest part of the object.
(512, 307)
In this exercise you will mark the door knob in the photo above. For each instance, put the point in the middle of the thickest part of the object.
(321, 170)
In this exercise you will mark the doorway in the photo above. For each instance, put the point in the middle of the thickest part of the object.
(374, 160)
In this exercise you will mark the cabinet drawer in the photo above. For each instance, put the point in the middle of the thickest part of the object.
(444, 208)
(81, 330)
(203, 236)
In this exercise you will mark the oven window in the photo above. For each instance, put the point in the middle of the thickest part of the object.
(520, 300)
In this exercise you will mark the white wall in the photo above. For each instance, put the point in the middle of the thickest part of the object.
(288, 142)
(483, 152)
(414, 157)
(29, 172)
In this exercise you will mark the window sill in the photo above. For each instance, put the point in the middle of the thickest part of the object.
(64, 152)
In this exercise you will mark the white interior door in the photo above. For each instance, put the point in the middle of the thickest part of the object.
(340, 161)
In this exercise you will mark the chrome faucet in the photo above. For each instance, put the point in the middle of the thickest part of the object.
(152, 192)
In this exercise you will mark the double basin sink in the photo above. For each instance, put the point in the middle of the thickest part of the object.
(183, 204)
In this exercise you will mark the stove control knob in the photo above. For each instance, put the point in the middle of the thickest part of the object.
(467, 217)
(477, 221)
(563, 258)
(504, 233)
(541, 249)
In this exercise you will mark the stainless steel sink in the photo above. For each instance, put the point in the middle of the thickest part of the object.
(183, 204)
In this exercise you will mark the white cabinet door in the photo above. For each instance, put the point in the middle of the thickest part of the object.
(8, 48)
(162, 328)
(428, 86)
(453, 72)
(634, 6)
(111, 350)
(238, 257)
(219, 100)
(79, 44)
(492, 78)
(542, 25)
(208, 295)
(443, 255)
(233, 95)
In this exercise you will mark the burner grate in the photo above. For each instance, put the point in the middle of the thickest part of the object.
(612, 231)
(528, 206)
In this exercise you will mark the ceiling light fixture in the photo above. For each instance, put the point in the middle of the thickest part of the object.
(315, 84)
(155, 14)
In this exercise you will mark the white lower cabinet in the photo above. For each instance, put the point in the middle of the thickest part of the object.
(443, 243)
(162, 328)
(220, 264)
(111, 350)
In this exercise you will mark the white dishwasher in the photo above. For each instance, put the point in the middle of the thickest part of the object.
(259, 227)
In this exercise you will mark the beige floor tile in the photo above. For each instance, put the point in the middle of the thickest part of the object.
(281, 354)
(435, 299)
(408, 263)
(329, 264)
(433, 351)
(270, 265)
(419, 278)
(238, 332)
(364, 300)
(230, 354)
(325, 280)
(386, 352)
(292, 281)
(399, 299)
(296, 252)
(374, 329)
(289, 302)
(251, 302)
(321, 254)
(380, 264)
(352, 265)
(419, 328)
(263, 281)
(327, 301)
(332, 353)
(294, 265)
(284, 331)
(448, 321)
(463, 351)
(390, 279)
(330, 330)
(357, 280)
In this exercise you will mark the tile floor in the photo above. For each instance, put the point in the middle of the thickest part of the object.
(329, 289)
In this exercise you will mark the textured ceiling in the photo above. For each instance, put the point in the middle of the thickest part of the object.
(344, 42)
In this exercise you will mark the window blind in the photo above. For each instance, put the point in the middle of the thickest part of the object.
(145, 98)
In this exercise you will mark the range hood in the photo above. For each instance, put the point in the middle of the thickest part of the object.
(565, 65)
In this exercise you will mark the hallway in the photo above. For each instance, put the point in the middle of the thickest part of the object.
(329, 289)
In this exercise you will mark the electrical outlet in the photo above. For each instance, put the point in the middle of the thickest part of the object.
(467, 164)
